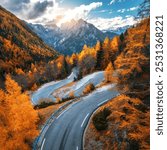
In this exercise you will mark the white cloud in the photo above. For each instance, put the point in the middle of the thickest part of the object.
(133, 8)
(121, 10)
(53, 14)
(129, 9)
(102, 11)
(61, 1)
(112, 2)
(30, 9)
(112, 23)
(78, 12)
(127, 16)
(46, 11)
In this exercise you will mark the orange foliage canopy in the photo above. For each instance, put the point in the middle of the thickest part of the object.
(17, 118)
(109, 72)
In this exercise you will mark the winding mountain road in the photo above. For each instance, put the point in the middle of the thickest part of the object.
(66, 131)
(47, 90)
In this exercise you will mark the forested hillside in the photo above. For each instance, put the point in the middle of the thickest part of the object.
(26, 63)
(18, 119)
(128, 56)
(133, 63)
(19, 46)
(98, 57)
(123, 122)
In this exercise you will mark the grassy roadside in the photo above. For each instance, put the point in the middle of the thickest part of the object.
(45, 113)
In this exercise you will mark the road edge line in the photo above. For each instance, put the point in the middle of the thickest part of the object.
(84, 120)
(43, 143)
(90, 117)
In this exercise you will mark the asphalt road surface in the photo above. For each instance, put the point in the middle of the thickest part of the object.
(66, 131)
(46, 91)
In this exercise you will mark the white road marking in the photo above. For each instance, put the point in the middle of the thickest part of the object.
(102, 102)
(84, 120)
(63, 112)
(43, 144)
(77, 148)
(72, 105)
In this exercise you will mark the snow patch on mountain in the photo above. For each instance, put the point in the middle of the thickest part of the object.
(71, 36)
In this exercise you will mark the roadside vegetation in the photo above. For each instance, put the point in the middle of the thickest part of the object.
(127, 127)
(100, 119)
(43, 103)
(122, 123)
(89, 88)
(18, 119)
(45, 113)
(69, 97)
(26, 63)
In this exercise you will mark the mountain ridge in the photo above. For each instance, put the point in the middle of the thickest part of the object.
(71, 36)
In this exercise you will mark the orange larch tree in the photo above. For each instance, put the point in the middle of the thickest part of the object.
(19, 125)
(109, 73)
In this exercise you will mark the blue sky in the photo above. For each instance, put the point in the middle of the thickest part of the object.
(106, 9)
(104, 14)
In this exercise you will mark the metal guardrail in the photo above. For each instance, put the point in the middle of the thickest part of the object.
(39, 139)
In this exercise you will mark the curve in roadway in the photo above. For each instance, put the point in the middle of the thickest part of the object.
(66, 131)
(47, 90)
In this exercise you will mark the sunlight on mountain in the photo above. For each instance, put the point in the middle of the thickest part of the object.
(74, 68)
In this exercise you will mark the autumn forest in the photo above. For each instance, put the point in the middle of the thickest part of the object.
(27, 63)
